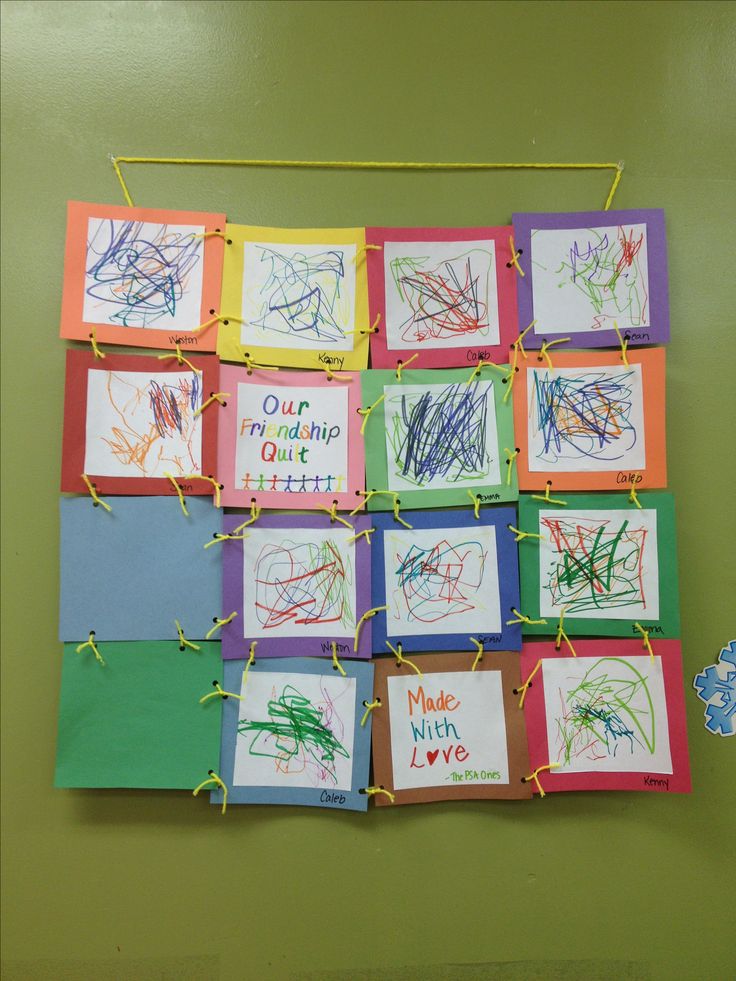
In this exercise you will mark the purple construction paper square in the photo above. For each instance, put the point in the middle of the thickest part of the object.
(658, 331)
(236, 645)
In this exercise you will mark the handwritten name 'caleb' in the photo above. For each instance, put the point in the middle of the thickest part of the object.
(423, 704)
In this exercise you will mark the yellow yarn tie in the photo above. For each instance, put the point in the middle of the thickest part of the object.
(510, 463)
(479, 367)
(217, 538)
(372, 791)
(251, 660)
(255, 513)
(633, 497)
(624, 344)
(515, 257)
(618, 168)
(521, 535)
(183, 642)
(219, 693)
(521, 618)
(527, 684)
(511, 376)
(543, 351)
(216, 487)
(400, 659)
(177, 488)
(370, 330)
(476, 504)
(219, 318)
(479, 655)
(535, 776)
(363, 250)
(369, 707)
(646, 644)
(93, 491)
(400, 365)
(397, 516)
(366, 531)
(562, 635)
(90, 642)
(93, 341)
(366, 412)
(518, 344)
(180, 359)
(367, 495)
(335, 663)
(218, 397)
(216, 234)
(336, 375)
(546, 498)
(251, 365)
(213, 778)
(366, 616)
(218, 624)
(334, 516)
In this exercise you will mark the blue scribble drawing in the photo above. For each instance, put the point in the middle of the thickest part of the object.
(441, 581)
(716, 686)
(302, 295)
(138, 273)
(609, 713)
(440, 434)
(590, 415)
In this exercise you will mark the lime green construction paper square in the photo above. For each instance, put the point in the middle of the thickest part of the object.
(136, 721)
(376, 462)
(666, 624)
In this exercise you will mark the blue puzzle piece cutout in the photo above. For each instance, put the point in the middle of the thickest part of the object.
(716, 686)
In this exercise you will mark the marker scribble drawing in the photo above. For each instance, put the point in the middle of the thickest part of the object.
(304, 584)
(440, 436)
(300, 294)
(446, 299)
(596, 566)
(142, 425)
(304, 739)
(586, 417)
(138, 273)
(440, 582)
(608, 713)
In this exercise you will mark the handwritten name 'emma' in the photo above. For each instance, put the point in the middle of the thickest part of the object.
(299, 431)
(428, 729)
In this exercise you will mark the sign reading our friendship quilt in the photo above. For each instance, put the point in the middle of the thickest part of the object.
(450, 732)
(289, 440)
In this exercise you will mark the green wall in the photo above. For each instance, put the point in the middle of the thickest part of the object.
(155, 885)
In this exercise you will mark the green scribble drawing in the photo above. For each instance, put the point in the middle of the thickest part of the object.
(609, 713)
(298, 736)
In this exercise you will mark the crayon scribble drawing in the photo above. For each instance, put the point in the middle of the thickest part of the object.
(599, 564)
(143, 425)
(141, 274)
(607, 714)
(295, 730)
(442, 581)
(299, 296)
(440, 294)
(585, 279)
(298, 583)
(441, 436)
(586, 419)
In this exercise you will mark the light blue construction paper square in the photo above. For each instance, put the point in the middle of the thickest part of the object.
(129, 573)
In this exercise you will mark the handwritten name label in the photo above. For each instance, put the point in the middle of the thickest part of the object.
(194, 341)
(331, 797)
(341, 648)
(628, 478)
(331, 360)
(474, 775)
(652, 628)
(662, 782)
(474, 356)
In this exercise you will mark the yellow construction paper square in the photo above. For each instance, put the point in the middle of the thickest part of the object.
(292, 297)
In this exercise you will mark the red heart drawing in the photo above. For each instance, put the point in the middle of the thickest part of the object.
(432, 755)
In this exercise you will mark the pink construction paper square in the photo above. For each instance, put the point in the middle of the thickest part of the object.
(321, 463)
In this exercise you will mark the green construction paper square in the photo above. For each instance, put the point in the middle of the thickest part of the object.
(376, 463)
(668, 622)
(137, 720)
